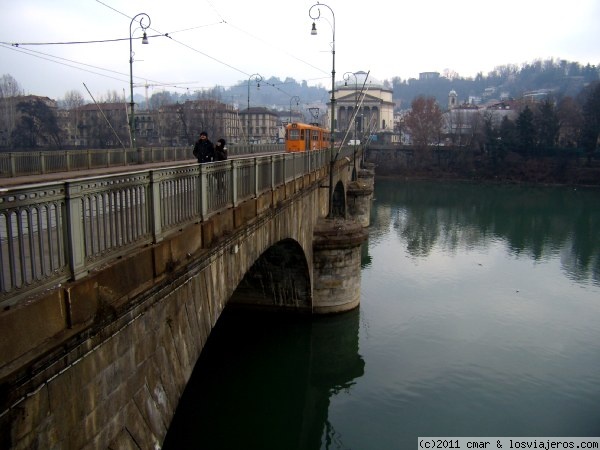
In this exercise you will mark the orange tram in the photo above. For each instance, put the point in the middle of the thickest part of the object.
(301, 137)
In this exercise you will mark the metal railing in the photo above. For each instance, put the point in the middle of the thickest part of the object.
(54, 232)
(14, 164)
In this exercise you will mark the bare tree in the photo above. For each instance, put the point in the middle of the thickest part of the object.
(73, 102)
(73, 99)
(111, 97)
(9, 91)
(424, 121)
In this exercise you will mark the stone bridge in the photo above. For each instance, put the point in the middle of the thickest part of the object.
(102, 359)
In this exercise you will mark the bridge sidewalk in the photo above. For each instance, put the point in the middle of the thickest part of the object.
(62, 176)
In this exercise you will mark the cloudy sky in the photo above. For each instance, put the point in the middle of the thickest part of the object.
(202, 43)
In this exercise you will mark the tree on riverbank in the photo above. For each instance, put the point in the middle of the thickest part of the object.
(591, 122)
(424, 121)
(37, 124)
(526, 131)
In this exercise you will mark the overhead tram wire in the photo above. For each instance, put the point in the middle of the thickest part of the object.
(98, 41)
(179, 42)
(19, 47)
(168, 35)
(58, 59)
(48, 58)
(263, 40)
(276, 48)
(211, 57)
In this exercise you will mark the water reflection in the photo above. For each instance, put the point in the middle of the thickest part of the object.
(467, 325)
(275, 375)
(539, 222)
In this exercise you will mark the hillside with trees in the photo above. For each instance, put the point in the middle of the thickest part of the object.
(558, 77)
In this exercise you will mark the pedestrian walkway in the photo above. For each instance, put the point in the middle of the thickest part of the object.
(62, 176)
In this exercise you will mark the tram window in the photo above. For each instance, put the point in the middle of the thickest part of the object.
(294, 135)
(315, 135)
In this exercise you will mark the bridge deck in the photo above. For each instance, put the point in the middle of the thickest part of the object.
(73, 174)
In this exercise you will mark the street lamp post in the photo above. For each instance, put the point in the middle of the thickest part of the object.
(354, 115)
(256, 77)
(313, 32)
(144, 41)
(297, 99)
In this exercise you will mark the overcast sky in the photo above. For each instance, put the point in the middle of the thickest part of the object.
(222, 42)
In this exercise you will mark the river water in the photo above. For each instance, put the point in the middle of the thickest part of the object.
(479, 316)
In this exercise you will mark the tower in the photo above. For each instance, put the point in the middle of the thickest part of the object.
(452, 99)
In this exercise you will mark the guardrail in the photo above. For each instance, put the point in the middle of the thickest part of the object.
(54, 232)
(14, 164)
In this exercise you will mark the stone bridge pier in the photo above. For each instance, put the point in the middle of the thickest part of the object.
(101, 362)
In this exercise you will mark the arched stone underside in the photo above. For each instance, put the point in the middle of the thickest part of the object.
(279, 279)
(339, 201)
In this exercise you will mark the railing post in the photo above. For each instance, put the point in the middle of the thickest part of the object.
(272, 161)
(234, 177)
(42, 163)
(155, 208)
(75, 231)
(256, 175)
(203, 178)
(13, 164)
(284, 166)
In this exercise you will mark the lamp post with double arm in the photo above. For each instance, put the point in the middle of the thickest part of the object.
(354, 116)
(346, 78)
(143, 26)
(294, 98)
(313, 31)
(258, 78)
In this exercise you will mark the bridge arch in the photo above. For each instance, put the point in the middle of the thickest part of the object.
(280, 278)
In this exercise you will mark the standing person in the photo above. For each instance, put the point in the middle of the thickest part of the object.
(221, 155)
(220, 150)
(204, 149)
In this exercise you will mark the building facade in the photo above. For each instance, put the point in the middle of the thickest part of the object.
(363, 107)
(260, 125)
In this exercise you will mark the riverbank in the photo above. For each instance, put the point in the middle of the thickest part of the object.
(466, 165)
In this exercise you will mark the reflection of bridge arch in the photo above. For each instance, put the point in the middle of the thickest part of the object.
(301, 364)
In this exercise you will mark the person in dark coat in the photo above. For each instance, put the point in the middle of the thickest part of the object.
(220, 150)
(204, 149)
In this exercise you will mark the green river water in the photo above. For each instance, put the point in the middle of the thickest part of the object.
(479, 316)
